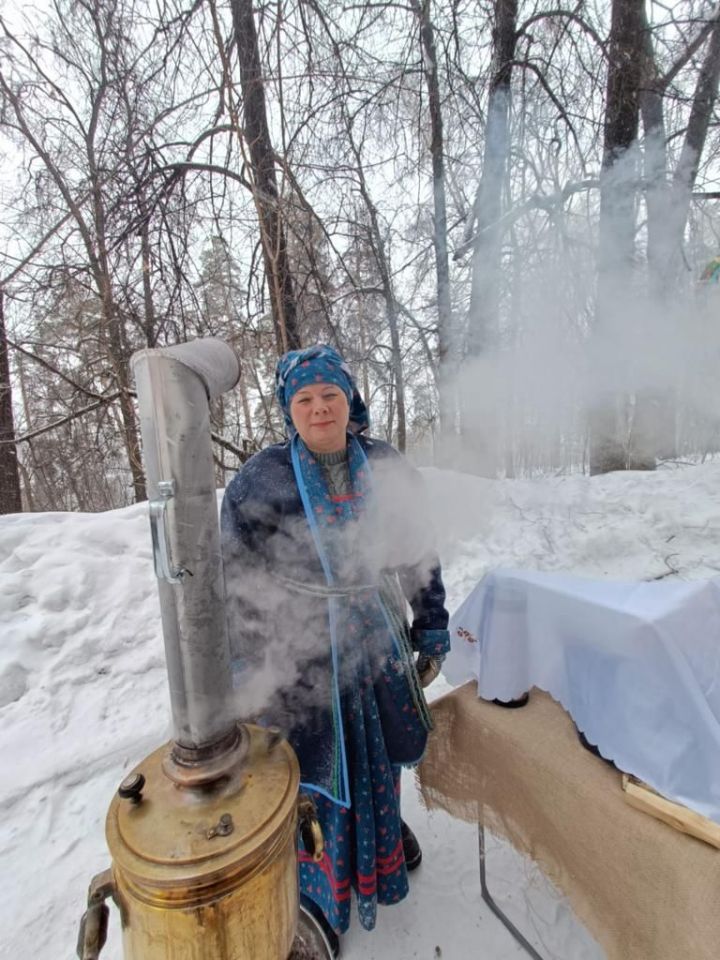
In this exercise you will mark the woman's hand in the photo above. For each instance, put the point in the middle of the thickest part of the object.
(428, 668)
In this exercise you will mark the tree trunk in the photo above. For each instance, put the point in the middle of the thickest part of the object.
(10, 498)
(118, 354)
(653, 432)
(667, 209)
(480, 416)
(267, 200)
(247, 415)
(618, 181)
(391, 306)
(655, 161)
(37, 474)
(485, 290)
(149, 321)
(703, 103)
(390, 410)
(26, 486)
(364, 353)
(448, 347)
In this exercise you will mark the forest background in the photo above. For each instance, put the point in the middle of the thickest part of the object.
(504, 214)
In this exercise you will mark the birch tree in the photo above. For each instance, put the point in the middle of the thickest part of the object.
(448, 338)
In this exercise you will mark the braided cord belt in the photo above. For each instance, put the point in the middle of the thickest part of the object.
(388, 594)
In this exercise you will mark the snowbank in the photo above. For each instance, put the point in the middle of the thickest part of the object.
(83, 691)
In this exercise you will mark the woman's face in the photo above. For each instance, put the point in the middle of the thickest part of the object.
(320, 413)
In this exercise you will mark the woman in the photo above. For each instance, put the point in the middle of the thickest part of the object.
(320, 550)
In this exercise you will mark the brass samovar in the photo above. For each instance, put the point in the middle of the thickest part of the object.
(202, 832)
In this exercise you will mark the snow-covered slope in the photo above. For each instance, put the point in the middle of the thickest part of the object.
(623, 526)
(83, 691)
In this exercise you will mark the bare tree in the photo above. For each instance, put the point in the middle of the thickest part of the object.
(382, 260)
(615, 294)
(88, 130)
(10, 498)
(483, 315)
(316, 195)
(448, 337)
(265, 189)
(488, 201)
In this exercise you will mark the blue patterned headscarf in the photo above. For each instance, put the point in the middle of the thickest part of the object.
(317, 364)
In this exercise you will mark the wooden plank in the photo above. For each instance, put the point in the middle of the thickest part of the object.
(643, 797)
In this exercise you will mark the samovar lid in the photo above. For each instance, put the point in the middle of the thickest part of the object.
(162, 834)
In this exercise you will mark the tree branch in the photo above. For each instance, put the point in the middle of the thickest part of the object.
(569, 15)
(538, 201)
(664, 82)
(63, 420)
(52, 369)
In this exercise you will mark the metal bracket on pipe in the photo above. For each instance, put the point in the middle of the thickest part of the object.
(164, 569)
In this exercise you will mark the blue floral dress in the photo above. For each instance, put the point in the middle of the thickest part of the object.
(364, 713)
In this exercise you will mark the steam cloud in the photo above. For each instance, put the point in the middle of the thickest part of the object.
(279, 634)
(554, 359)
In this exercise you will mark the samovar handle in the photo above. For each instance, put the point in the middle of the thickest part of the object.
(94, 922)
(310, 829)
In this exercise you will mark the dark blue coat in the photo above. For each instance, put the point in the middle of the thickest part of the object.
(279, 635)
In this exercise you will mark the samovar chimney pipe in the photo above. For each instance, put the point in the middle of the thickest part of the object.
(174, 388)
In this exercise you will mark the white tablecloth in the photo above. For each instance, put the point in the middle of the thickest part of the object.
(637, 666)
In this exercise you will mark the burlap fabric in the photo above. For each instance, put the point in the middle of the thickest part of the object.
(643, 890)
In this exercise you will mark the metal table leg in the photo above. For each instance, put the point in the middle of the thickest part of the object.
(506, 922)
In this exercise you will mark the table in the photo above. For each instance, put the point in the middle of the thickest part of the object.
(643, 890)
(636, 664)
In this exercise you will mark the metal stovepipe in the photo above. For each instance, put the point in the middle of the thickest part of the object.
(174, 388)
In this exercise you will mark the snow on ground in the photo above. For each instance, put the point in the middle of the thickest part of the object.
(83, 691)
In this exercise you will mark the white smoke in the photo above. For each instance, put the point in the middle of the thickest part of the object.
(278, 610)
(561, 351)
